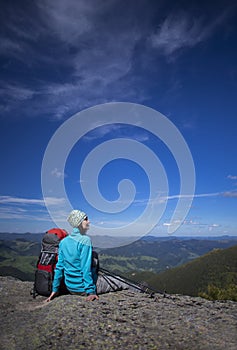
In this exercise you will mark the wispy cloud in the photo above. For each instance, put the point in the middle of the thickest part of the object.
(94, 58)
(90, 50)
(31, 209)
(59, 201)
(201, 195)
(116, 131)
(92, 47)
(31, 201)
(17, 92)
(171, 223)
(58, 174)
(232, 194)
(17, 200)
(69, 19)
(18, 213)
(183, 30)
(232, 177)
(162, 199)
(197, 223)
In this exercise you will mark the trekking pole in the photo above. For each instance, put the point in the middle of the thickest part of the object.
(137, 285)
(121, 279)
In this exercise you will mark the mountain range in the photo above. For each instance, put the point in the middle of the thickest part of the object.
(19, 253)
(159, 254)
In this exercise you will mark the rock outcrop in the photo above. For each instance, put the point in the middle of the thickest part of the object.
(121, 320)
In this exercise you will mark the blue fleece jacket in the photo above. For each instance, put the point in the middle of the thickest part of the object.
(74, 264)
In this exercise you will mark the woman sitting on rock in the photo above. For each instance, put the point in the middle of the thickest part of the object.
(75, 264)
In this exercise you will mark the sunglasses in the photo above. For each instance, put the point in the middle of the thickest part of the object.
(86, 218)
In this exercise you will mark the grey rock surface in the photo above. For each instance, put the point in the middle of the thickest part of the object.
(120, 320)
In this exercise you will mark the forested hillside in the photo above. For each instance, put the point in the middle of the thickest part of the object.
(185, 266)
(213, 275)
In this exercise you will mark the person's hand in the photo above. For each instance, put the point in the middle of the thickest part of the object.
(92, 297)
(52, 295)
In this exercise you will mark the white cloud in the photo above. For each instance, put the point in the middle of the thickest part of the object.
(31, 209)
(167, 224)
(117, 130)
(191, 222)
(58, 174)
(98, 58)
(179, 196)
(91, 47)
(232, 177)
(17, 200)
(17, 92)
(176, 33)
(54, 201)
(16, 213)
(92, 51)
(69, 19)
(183, 30)
(213, 226)
(161, 199)
(201, 195)
(231, 194)
(31, 201)
(172, 223)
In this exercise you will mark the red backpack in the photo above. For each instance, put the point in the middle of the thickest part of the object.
(47, 261)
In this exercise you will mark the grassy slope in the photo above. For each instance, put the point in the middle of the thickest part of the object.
(121, 264)
(18, 259)
(218, 267)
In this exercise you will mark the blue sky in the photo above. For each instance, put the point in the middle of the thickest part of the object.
(59, 58)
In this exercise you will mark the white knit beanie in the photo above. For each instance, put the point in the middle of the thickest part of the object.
(76, 217)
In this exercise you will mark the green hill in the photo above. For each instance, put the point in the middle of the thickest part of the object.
(123, 264)
(18, 259)
(213, 275)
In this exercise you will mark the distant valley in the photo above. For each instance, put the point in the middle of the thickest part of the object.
(149, 255)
